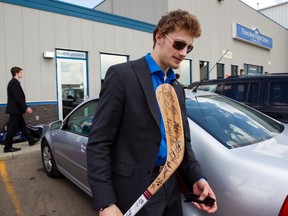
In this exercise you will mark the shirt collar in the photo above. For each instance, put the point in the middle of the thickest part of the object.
(154, 67)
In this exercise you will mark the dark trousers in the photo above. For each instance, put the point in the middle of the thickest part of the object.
(165, 202)
(15, 123)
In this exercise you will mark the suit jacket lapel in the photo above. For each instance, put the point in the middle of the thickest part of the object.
(143, 73)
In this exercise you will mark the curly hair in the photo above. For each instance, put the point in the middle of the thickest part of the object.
(177, 19)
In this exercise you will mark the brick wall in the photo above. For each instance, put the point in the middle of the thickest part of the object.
(46, 113)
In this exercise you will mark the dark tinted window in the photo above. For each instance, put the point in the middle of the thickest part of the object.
(236, 91)
(278, 93)
(253, 97)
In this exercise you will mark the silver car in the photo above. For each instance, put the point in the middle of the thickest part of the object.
(243, 153)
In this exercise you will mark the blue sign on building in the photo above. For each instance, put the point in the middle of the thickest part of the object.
(251, 36)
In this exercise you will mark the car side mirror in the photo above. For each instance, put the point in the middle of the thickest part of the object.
(56, 125)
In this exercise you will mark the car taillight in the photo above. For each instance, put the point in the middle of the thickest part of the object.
(284, 209)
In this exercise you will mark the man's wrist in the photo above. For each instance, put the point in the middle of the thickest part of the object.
(101, 209)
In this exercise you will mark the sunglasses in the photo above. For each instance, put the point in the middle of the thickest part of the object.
(180, 45)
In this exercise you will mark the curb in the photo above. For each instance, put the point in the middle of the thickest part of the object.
(25, 149)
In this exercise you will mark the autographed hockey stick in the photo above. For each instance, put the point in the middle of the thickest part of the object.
(172, 118)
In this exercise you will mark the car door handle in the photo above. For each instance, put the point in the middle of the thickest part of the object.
(83, 148)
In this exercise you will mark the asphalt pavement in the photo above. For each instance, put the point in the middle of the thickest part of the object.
(25, 148)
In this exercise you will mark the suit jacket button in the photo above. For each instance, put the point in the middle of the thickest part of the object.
(148, 171)
(157, 143)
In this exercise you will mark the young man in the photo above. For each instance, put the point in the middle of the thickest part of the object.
(127, 144)
(16, 107)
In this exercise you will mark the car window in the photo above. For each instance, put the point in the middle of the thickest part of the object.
(278, 93)
(207, 87)
(81, 120)
(236, 91)
(232, 124)
(253, 97)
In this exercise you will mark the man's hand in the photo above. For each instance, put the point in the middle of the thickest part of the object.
(202, 188)
(29, 110)
(112, 210)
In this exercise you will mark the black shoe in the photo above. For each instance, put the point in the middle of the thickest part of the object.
(33, 141)
(11, 150)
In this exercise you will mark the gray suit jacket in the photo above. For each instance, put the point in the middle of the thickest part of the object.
(125, 137)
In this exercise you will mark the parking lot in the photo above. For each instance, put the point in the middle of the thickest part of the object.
(27, 191)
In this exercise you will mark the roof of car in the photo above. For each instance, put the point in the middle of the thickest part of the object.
(243, 77)
(191, 93)
(260, 75)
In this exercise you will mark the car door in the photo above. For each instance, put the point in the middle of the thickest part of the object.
(71, 140)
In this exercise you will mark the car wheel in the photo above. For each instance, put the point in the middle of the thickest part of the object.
(49, 161)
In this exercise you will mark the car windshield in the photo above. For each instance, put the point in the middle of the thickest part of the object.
(232, 124)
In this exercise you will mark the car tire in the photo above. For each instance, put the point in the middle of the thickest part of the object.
(48, 161)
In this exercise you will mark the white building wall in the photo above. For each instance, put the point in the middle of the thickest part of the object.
(278, 13)
(216, 18)
(26, 33)
(146, 10)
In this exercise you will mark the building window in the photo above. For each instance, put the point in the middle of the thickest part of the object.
(234, 70)
(185, 72)
(107, 60)
(204, 66)
(220, 71)
(253, 69)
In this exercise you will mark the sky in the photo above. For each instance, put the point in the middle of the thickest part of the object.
(262, 3)
(251, 3)
(84, 3)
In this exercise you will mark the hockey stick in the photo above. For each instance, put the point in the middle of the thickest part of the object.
(171, 114)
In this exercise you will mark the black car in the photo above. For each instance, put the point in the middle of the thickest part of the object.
(267, 93)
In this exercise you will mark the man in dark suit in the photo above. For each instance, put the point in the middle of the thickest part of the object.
(16, 107)
(127, 144)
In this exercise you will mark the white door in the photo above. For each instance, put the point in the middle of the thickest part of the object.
(72, 84)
